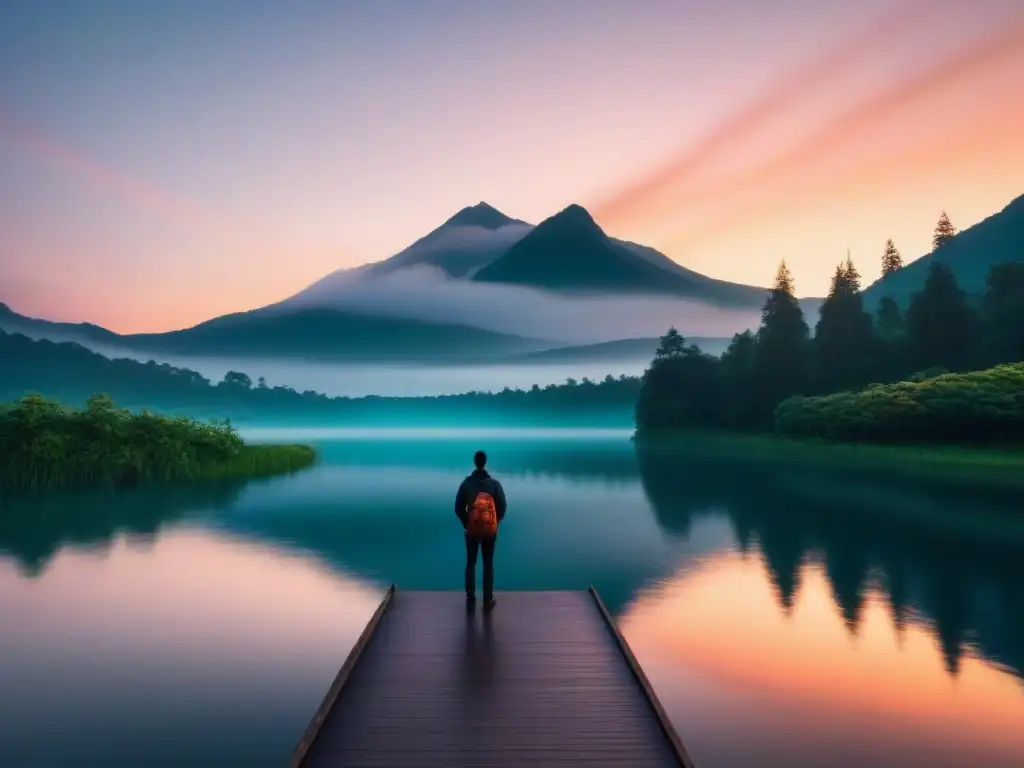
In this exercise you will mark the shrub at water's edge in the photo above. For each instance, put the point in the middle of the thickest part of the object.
(980, 406)
(46, 445)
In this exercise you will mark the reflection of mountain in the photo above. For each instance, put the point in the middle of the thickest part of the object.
(969, 592)
(33, 528)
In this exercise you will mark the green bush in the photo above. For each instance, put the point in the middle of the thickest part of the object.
(976, 407)
(46, 445)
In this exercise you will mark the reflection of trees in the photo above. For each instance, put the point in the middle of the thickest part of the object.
(33, 527)
(967, 591)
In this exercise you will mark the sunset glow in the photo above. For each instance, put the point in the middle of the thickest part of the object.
(181, 171)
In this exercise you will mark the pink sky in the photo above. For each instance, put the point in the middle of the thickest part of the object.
(161, 168)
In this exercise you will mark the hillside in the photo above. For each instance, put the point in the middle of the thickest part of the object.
(623, 350)
(970, 255)
(569, 252)
(70, 373)
(309, 334)
(12, 322)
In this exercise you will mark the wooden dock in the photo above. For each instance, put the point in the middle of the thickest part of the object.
(544, 679)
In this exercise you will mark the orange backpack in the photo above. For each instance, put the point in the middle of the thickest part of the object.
(483, 517)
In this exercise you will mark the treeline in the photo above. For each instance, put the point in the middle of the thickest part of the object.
(71, 373)
(941, 331)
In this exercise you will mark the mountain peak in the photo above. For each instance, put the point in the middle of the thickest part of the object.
(576, 218)
(576, 211)
(480, 215)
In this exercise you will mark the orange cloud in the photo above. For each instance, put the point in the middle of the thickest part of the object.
(983, 141)
(782, 95)
(129, 189)
(847, 127)
(854, 122)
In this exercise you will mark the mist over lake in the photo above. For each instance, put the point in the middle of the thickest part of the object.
(395, 380)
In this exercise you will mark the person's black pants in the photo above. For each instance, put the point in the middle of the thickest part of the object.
(474, 545)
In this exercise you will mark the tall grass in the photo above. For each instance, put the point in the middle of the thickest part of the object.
(43, 444)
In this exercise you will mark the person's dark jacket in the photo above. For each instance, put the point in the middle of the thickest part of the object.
(479, 481)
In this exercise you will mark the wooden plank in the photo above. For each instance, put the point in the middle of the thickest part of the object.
(659, 711)
(539, 680)
(313, 729)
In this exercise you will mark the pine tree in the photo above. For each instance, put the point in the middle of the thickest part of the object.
(844, 342)
(891, 259)
(1003, 314)
(942, 328)
(781, 352)
(850, 273)
(890, 328)
(783, 280)
(889, 320)
(681, 389)
(944, 232)
(738, 379)
(671, 344)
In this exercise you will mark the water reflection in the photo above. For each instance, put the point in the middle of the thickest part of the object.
(33, 527)
(748, 684)
(966, 590)
(199, 650)
(816, 614)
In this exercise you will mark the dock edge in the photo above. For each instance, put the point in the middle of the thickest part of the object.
(309, 736)
(638, 673)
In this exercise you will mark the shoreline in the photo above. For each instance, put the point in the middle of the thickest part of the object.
(949, 464)
(875, 480)
(253, 461)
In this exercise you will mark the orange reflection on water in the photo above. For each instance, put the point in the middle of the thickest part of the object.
(739, 676)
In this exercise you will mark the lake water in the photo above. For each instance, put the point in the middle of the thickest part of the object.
(784, 618)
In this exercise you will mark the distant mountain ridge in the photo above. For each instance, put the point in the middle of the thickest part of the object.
(621, 350)
(565, 256)
(308, 334)
(566, 253)
(472, 238)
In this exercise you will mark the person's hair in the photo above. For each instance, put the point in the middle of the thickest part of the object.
(480, 459)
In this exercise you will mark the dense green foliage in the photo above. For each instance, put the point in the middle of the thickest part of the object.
(681, 386)
(941, 326)
(979, 406)
(781, 362)
(45, 445)
(841, 383)
(1003, 313)
(845, 344)
(70, 373)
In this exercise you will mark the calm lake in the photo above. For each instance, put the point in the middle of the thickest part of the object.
(784, 617)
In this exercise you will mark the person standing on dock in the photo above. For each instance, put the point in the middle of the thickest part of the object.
(480, 507)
